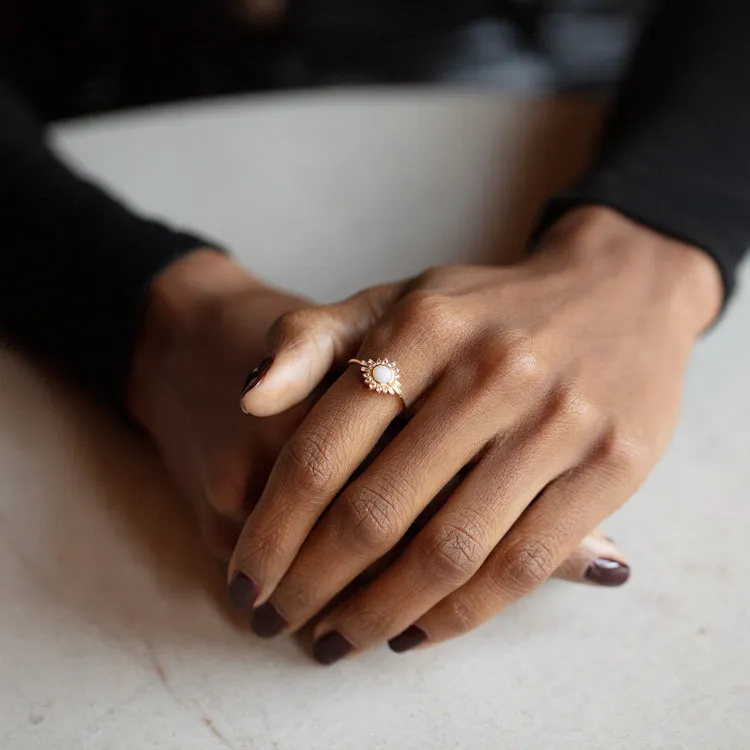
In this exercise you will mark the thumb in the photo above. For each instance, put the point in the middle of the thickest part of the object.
(305, 344)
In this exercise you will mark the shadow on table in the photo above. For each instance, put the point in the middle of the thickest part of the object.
(98, 528)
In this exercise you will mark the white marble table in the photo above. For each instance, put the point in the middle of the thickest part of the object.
(113, 632)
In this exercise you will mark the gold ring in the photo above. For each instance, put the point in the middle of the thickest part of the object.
(381, 376)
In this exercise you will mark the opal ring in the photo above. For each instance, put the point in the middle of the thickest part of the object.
(381, 376)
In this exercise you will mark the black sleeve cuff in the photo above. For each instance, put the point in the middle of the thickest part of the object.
(690, 216)
(75, 264)
(675, 153)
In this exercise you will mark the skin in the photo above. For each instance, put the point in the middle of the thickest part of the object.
(206, 323)
(553, 384)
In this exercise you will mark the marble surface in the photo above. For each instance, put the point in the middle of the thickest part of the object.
(113, 630)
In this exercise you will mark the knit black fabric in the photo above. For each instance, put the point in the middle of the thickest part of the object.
(76, 264)
(676, 152)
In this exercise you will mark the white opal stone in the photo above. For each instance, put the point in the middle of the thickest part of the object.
(382, 374)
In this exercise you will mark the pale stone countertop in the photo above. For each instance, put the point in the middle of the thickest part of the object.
(113, 632)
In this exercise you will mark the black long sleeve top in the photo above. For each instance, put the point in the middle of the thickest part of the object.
(75, 264)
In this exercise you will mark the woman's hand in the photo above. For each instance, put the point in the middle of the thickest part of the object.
(557, 381)
(205, 324)
(206, 320)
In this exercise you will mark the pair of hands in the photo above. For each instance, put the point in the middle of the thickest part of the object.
(538, 397)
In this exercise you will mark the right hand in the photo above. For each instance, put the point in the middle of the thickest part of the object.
(206, 323)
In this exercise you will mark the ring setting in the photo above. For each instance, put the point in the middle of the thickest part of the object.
(380, 375)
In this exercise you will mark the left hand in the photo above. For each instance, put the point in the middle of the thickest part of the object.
(206, 320)
(557, 380)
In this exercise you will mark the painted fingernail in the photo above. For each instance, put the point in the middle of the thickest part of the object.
(267, 622)
(255, 377)
(331, 648)
(409, 639)
(243, 592)
(607, 572)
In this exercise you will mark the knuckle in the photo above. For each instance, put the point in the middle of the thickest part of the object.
(528, 563)
(296, 600)
(570, 406)
(281, 328)
(432, 310)
(293, 321)
(258, 551)
(292, 327)
(508, 360)
(225, 490)
(226, 501)
(372, 513)
(431, 277)
(452, 553)
(371, 621)
(457, 616)
(308, 458)
(521, 366)
(623, 453)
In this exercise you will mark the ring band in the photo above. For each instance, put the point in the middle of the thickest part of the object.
(381, 376)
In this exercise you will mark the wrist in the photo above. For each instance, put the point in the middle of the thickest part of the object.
(684, 281)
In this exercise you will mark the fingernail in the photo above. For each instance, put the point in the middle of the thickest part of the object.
(254, 378)
(409, 639)
(607, 572)
(267, 622)
(243, 592)
(331, 647)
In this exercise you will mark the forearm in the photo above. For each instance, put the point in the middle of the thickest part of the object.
(75, 265)
(674, 155)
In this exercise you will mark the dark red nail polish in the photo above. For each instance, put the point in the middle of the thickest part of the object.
(331, 647)
(267, 621)
(607, 572)
(243, 592)
(254, 378)
(409, 639)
